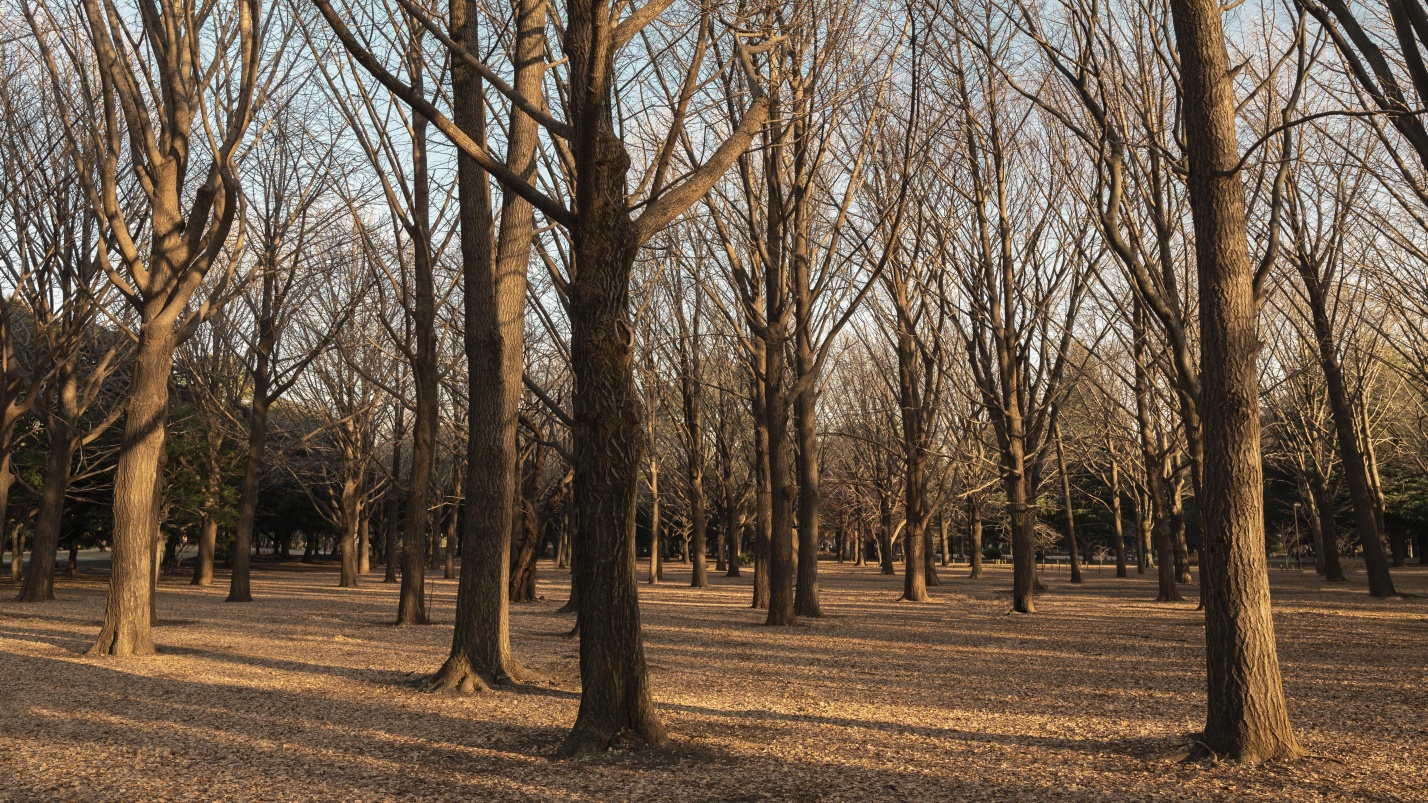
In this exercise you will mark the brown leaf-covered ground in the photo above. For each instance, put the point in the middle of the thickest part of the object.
(307, 694)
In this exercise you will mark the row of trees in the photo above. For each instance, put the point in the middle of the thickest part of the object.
(776, 278)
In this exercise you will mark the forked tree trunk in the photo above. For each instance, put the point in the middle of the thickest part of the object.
(1247, 719)
(607, 437)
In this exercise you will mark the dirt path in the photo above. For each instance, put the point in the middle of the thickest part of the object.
(306, 695)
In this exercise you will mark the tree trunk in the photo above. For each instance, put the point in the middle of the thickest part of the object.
(607, 437)
(885, 535)
(763, 491)
(1177, 530)
(1327, 530)
(1356, 472)
(805, 421)
(782, 493)
(942, 541)
(1247, 719)
(39, 581)
(351, 518)
(974, 536)
(656, 571)
(364, 545)
(127, 628)
(1118, 533)
(1073, 548)
(238, 585)
(390, 541)
(207, 545)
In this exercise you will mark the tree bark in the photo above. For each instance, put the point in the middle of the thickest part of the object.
(974, 536)
(1247, 719)
(207, 545)
(1353, 459)
(127, 628)
(1327, 546)
(239, 583)
(1118, 531)
(39, 581)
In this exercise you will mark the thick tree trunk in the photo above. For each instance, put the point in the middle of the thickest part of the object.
(607, 437)
(1247, 719)
(128, 621)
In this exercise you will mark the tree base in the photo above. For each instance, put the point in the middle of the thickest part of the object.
(458, 676)
(120, 643)
(587, 740)
(1260, 752)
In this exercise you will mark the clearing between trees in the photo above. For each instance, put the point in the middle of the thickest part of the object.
(310, 694)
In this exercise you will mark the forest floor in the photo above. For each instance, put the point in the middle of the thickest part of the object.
(308, 694)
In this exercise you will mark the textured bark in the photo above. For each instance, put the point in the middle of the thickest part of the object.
(607, 437)
(1247, 719)
(127, 628)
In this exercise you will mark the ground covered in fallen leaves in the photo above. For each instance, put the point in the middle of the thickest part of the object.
(309, 694)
